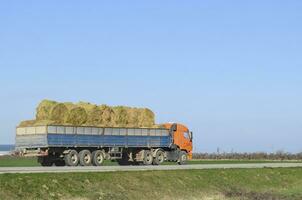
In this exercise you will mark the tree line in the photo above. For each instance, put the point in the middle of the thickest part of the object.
(280, 155)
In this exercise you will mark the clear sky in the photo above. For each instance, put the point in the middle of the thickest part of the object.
(230, 70)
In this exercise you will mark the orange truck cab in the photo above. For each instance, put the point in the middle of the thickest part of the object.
(182, 138)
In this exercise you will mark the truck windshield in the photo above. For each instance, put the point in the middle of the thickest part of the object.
(187, 135)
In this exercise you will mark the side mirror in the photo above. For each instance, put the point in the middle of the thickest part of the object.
(173, 129)
(191, 136)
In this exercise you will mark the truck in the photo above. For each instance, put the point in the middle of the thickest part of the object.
(86, 146)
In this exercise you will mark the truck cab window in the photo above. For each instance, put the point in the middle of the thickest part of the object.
(187, 135)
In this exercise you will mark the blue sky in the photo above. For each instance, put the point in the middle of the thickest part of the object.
(230, 70)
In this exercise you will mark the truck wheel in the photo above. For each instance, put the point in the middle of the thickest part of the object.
(46, 164)
(72, 158)
(45, 161)
(85, 158)
(124, 161)
(159, 158)
(135, 163)
(60, 163)
(98, 158)
(148, 158)
(183, 158)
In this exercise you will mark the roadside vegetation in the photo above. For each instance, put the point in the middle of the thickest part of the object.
(279, 155)
(188, 184)
(15, 161)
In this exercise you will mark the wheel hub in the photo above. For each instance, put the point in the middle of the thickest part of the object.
(99, 158)
(74, 158)
(87, 158)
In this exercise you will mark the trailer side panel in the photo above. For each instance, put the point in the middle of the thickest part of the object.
(60, 136)
(60, 140)
(31, 141)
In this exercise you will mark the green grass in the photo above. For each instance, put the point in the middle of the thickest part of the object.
(190, 184)
(235, 161)
(7, 161)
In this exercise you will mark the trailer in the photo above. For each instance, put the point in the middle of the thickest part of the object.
(85, 146)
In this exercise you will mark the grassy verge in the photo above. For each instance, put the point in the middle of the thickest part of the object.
(190, 184)
(8, 161)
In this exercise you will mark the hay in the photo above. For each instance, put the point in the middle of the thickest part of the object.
(107, 116)
(94, 117)
(76, 116)
(27, 123)
(161, 126)
(44, 109)
(146, 118)
(59, 113)
(83, 113)
(120, 116)
(44, 122)
(133, 117)
(87, 106)
(69, 105)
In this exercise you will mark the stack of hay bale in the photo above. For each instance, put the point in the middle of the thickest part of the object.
(86, 114)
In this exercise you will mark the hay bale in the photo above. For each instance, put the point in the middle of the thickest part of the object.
(158, 126)
(94, 117)
(94, 113)
(120, 116)
(133, 117)
(87, 106)
(27, 123)
(76, 116)
(107, 116)
(83, 113)
(44, 122)
(44, 109)
(146, 118)
(59, 113)
(69, 105)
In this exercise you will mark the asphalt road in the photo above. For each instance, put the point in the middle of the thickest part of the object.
(28, 170)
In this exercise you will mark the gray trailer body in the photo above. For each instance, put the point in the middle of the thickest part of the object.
(68, 136)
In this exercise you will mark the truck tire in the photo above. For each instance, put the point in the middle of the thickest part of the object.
(159, 158)
(60, 163)
(148, 158)
(46, 164)
(183, 158)
(85, 158)
(124, 161)
(45, 161)
(98, 158)
(72, 158)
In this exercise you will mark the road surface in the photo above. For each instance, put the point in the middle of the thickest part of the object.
(28, 170)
